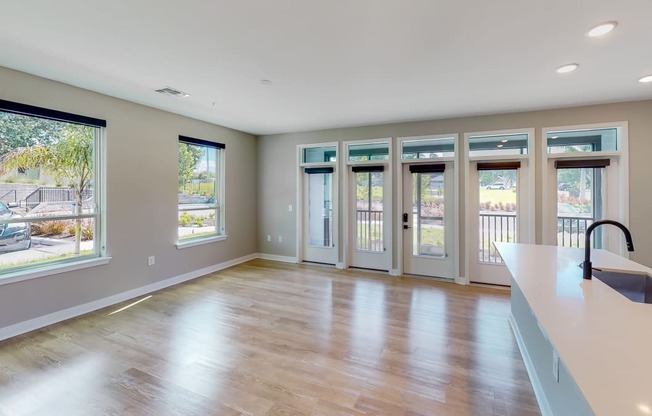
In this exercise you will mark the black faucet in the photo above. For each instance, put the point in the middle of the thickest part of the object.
(586, 266)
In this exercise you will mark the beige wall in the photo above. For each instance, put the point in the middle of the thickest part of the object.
(141, 199)
(277, 158)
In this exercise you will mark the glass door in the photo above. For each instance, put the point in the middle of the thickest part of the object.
(428, 212)
(368, 230)
(318, 216)
(500, 201)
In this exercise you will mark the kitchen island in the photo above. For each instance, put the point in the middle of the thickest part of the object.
(587, 348)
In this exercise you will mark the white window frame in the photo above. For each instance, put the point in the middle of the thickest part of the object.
(617, 180)
(219, 205)
(74, 262)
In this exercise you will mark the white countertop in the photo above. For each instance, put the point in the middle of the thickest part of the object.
(603, 338)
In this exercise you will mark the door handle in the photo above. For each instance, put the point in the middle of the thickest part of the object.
(405, 226)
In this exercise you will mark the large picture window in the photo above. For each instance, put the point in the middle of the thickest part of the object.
(49, 187)
(201, 189)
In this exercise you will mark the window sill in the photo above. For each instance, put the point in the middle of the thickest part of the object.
(201, 241)
(23, 275)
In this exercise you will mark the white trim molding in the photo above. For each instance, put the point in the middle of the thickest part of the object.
(62, 315)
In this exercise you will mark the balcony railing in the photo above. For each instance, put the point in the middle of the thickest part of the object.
(570, 230)
(495, 227)
(370, 230)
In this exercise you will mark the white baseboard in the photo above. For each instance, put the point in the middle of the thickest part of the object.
(62, 315)
(340, 266)
(544, 406)
(274, 257)
(394, 272)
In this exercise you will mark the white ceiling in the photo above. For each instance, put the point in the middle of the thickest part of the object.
(334, 63)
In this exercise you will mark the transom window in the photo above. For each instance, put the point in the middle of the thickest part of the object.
(201, 189)
(50, 181)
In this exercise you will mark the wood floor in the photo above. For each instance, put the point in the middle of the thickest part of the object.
(268, 338)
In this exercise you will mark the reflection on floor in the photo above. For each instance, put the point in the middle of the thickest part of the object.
(268, 338)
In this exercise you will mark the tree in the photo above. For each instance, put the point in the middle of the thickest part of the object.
(70, 160)
(18, 131)
(189, 155)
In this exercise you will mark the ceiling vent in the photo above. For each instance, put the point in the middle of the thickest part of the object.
(173, 92)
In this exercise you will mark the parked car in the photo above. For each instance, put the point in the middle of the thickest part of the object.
(497, 185)
(16, 235)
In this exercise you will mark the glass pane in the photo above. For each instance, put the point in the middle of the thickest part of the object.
(23, 244)
(499, 144)
(48, 170)
(498, 207)
(319, 154)
(428, 148)
(320, 208)
(197, 197)
(428, 214)
(373, 151)
(369, 211)
(197, 174)
(579, 202)
(197, 223)
(588, 140)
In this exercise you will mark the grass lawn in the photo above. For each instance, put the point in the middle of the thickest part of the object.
(497, 195)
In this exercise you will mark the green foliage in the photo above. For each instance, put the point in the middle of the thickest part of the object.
(68, 160)
(185, 219)
(18, 131)
(189, 156)
(199, 220)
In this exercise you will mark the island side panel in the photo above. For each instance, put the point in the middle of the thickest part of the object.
(563, 397)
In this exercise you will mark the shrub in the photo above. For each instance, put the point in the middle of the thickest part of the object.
(199, 220)
(185, 219)
(54, 227)
(87, 231)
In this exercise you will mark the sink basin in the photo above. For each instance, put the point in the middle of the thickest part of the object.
(636, 287)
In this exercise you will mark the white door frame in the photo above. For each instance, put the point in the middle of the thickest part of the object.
(526, 216)
(387, 198)
(300, 197)
(456, 198)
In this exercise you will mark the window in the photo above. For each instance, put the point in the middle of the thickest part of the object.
(50, 180)
(426, 148)
(319, 154)
(498, 144)
(585, 179)
(584, 140)
(201, 189)
(367, 152)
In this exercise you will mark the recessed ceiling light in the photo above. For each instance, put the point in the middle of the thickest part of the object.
(564, 69)
(647, 78)
(500, 145)
(504, 141)
(265, 82)
(602, 29)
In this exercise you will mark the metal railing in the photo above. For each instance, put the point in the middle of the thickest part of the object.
(6, 200)
(495, 227)
(54, 194)
(570, 230)
(369, 230)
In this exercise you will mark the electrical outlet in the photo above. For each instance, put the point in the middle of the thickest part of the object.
(555, 364)
(269, 238)
(290, 208)
(151, 260)
(280, 238)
